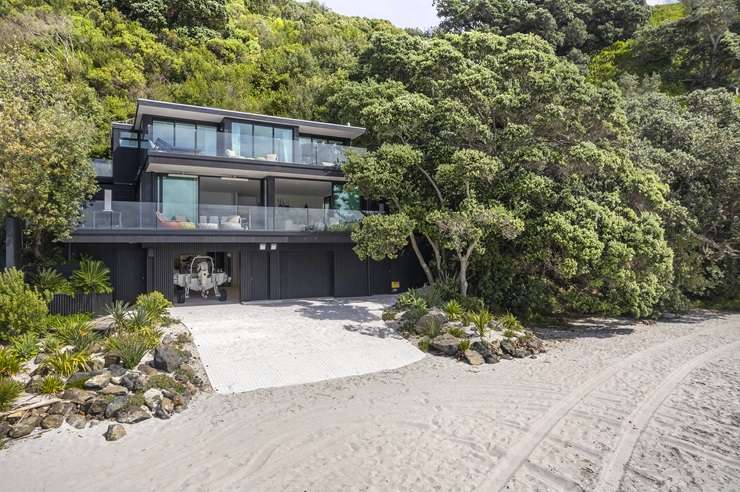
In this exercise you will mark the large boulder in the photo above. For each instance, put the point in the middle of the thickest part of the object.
(473, 358)
(97, 406)
(52, 421)
(77, 395)
(165, 409)
(4, 428)
(446, 343)
(152, 397)
(24, 427)
(484, 349)
(434, 317)
(167, 358)
(115, 405)
(114, 390)
(61, 408)
(98, 382)
(76, 420)
(134, 381)
(81, 377)
(114, 432)
(132, 415)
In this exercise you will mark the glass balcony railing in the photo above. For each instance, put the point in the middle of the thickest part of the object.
(237, 146)
(218, 219)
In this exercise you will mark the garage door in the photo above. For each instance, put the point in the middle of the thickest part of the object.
(305, 274)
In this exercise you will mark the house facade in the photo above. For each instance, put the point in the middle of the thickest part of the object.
(261, 198)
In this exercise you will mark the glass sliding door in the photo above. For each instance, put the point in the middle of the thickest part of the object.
(284, 144)
(242, 142)
(178, 198)
(207, 140)
(263, 145)
(261, 142)
(163, 134)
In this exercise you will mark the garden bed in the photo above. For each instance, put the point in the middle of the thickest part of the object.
(464, 328)
(132, 365)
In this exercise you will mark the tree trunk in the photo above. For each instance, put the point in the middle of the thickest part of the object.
(464, 277)
(37, 246)
(422, 261)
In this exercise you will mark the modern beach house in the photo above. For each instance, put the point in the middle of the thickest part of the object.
(261, 196)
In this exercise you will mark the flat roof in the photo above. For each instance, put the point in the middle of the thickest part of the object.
(216, 115)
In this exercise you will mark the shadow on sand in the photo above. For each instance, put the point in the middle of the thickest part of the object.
(352, 310)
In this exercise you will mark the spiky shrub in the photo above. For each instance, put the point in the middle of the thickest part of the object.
(25, 346)
(424, 344)
(509, 322)
(50, 282)
(156, 305)
(51, 343)
(480, 320)
(76, 331)
(456, 332)
(453, 309)
(22, 309)
(463, 345)
(67, 363)
(409, 298)
(50, 385)
(130, 347)
(434, 328)
(93, 277)
(138, 319)
(9, 391)
(9, 362)
(118, 311)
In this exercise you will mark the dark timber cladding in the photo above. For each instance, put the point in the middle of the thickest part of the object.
(292, 271)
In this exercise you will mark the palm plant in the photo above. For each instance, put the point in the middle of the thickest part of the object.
(480, 320)
(93, 277)
(453, 309)
(50, 282)
(118, 311)
(76, 331)
(130, 347)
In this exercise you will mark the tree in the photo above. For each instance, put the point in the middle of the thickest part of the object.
(44, 150)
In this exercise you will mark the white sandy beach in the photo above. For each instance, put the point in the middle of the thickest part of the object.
(611, 406)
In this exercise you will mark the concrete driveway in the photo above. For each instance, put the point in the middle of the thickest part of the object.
(280, 343)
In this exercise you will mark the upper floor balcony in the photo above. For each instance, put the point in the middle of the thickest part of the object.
(278, 147)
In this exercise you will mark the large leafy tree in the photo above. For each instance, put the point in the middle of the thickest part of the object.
(44, 149)
(569, 25)
(501, 136)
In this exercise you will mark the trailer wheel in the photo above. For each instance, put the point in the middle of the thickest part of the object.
(181, 297)
(222, 295)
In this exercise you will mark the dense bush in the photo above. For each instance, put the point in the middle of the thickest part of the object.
(25, 346)
(22, 309)
(155, 305)
(9, 391)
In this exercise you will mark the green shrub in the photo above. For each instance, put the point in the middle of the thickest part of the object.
(22, 309)
(93, 277)
(480, 320)
(49, 282)
(9, 362)
(409, 298)
(453, 309)
(413, 314)
(156, 305)
(51, 343)
(463, 345)
(509, 322)
(165, 382)
(25, 346)
(472, 304)
(130, 347)
(424, 344)
(118, 311)
(510, 334)
(138, 319)
(456, 332)
(434, 328)
(67, 363)
(50, 385)
(9, 391)
(76, 331)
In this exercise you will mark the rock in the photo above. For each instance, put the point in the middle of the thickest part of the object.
(115, 405)
(97, 363)
(76, 420)
(446, 343)
(152, 397)
(434, 316)
(4, 429)
(81, 377)
(114, 432)
(77, 395)
(98, 382)
(508, 346)
(167, 358)
(132, 415)
(24, 427)
(116, 370)
(134, 381)
(147, 369)
(473, 358)
(114, 390)
(97, 406)
(111, 360)
(165, 409)
(180, 401)
(52, 421)
(40, 358)
(484, 349)
(61, 408)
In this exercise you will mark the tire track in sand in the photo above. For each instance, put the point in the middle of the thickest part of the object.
(508, 465)
(611, 474)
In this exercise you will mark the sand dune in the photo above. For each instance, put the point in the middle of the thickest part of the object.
(611, 406)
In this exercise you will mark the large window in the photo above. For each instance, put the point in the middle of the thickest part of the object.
(262, 142)
(178, 198)
(320, 151)
(300, 193)
(192, 138)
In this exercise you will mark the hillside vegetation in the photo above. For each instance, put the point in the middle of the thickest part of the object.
(560, 158)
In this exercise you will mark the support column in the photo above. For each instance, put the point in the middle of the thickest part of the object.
(12, 243)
